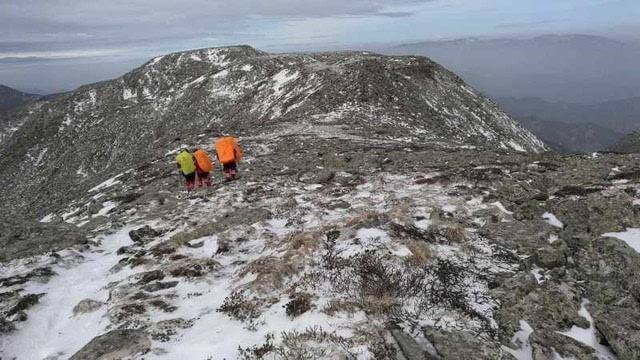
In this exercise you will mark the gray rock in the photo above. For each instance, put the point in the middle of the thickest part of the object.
(6, 326)
(460, 345)
(144, 234)
(115, 345)
(621, 328)
(409, 348)
(86, 306)
(22, 239)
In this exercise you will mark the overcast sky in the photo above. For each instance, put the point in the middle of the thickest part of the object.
(57, 44)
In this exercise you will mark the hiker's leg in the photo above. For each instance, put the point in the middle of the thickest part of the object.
(200, 179)
(191, 181)
(226, 170)
(234, 170)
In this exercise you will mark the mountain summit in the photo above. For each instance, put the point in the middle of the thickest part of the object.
(107, 127)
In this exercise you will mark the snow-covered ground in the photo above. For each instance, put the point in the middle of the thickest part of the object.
(52, 330)
(242, 275)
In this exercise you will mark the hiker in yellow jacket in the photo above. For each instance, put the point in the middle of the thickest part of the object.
(187, 168)
(229, 154)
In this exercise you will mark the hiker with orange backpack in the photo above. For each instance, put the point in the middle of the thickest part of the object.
(229, 155)
(203, 167)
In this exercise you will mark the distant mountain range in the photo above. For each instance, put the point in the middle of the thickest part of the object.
(568, 68)
(571, 138)
(628, 144)
(570, 127)
(12, 98)
(621, 116)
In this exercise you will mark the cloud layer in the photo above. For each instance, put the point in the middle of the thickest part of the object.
(54, 31)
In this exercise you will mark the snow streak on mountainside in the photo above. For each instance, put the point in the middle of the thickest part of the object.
(65, 144)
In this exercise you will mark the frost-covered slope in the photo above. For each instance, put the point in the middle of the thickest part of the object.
(73, 140)
(354, 249)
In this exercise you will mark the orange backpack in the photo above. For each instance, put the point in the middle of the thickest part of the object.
(228, 150)
(204, 163)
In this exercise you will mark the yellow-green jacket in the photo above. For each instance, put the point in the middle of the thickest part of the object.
(185, 161)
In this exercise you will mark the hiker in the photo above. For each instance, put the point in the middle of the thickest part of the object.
(229, 155)
(187, 168)
(203, 167)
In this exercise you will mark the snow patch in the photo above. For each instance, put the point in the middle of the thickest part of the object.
(155, 60)
(588, 336)
(423, 224)
(128, 94)
(366, 239)
(58, 333)
(521, 339)
(38, 161)
(81, 172)
(501, 207)
(279, 226)
(631, 237)
(282, 78)
(106, 207)
(552, 220)
(48, 218)
(107, 183)
(516, 146)
(537, 272)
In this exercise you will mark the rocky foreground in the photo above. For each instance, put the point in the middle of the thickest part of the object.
(333, 248)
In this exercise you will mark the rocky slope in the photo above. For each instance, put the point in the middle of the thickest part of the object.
(355, 249)
(347, 236)
(64, 146)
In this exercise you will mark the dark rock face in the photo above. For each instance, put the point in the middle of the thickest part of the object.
(70, 143)
(116, 344)
(32, 238)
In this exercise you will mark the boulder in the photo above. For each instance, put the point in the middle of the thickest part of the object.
(115, 345)
(86, 306)
(144, 234)
(620, 327)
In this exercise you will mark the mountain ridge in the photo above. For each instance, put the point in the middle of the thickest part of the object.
(100, 128)
(11, 98)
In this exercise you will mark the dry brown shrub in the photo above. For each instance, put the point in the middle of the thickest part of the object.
(420, 253)
(271, 272)
(366, 216)
(199, 232)
(455, 233)
(337, 305)
(304, 242)
(379, 305)
(400, 212)
(300, 303)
